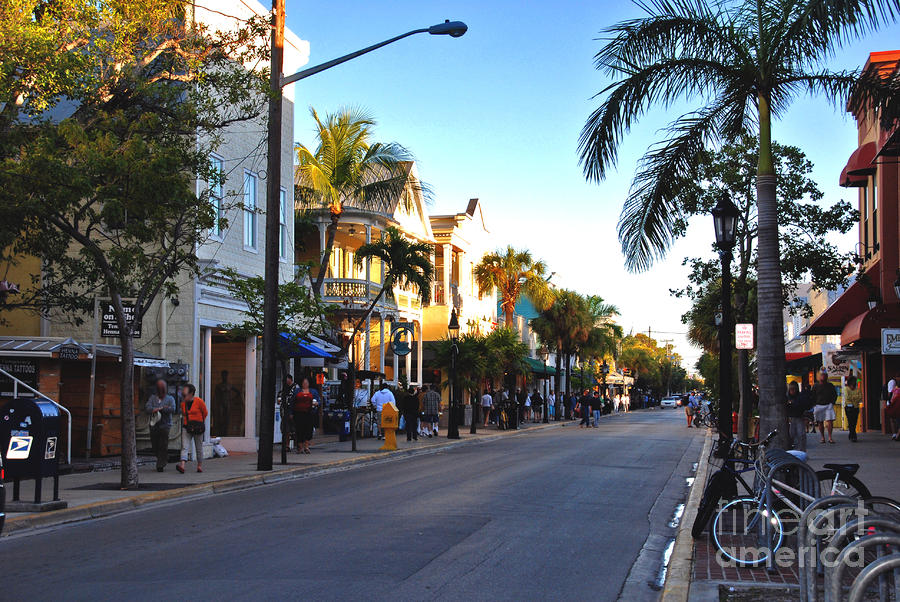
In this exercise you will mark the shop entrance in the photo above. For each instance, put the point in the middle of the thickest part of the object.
(228, 380)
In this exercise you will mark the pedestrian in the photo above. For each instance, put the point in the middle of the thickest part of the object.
(487, 401)
(286, 402)
(597, 403)
(852, 405)
(583, 407)
(380, 398)
(689, 409)
(892, 412)
(305, 407)
(537, 406)
(193, 426)
(796, 412)
(160, 407)
(824, 395)
(409, 408)
(361, 403)
(432, 410)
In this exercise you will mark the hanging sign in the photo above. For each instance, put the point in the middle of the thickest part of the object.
(890, 341)
(401, 337)
(108, 325)
(743, 336)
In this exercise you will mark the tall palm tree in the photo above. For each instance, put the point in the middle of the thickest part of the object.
(743, 61)
(564, 326)
(407, 264)
(348, 167)
(513, 273)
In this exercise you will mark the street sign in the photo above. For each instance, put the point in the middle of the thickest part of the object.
(69, 352)
(108, 325)
(400, 341)
(743, 336)
(890, 341)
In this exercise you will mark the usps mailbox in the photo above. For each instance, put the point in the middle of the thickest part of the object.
(29, 441)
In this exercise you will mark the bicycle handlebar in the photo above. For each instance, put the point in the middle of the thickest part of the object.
(765, 442)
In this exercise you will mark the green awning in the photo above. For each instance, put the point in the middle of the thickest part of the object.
(537, 367)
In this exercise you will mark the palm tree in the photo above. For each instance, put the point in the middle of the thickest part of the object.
(564, 326)
(744, 61)
(407, 264)
(348, 167)
(513, 273)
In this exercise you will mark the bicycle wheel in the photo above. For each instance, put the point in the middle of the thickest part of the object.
(847, 485)
(738, 533)
(722, 486)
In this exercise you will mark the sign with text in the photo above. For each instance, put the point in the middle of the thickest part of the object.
(25, 369)
(890, 341)
(108, 325)
(743, 336)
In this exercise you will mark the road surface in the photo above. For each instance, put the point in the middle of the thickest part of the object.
(557, 514)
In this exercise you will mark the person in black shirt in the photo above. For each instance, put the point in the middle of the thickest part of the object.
(584, 406)
(796, 410)
(409, 408)
(537, 404)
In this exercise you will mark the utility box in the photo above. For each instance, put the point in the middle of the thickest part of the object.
(29, 441)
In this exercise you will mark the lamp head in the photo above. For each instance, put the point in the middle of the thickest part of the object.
(454, 29)
(725, 215)
(453, 326)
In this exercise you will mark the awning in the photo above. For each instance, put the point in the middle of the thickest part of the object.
(299, 348)
(859, 166)
(848, 306)
(889, 141)
(537, 367)
(867, 325)
(801, 363)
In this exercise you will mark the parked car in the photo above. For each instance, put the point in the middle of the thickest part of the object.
(672, 401)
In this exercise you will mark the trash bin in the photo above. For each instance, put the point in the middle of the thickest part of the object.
(29, 440)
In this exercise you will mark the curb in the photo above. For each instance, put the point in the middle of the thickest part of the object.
(678, 580)
(30, 522)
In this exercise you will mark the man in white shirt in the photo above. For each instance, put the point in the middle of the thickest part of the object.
(486, 402)
(378, 400)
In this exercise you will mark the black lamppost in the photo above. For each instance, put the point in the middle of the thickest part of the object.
(545, 353)
(277, 81)
(725, 216)
(453, 334)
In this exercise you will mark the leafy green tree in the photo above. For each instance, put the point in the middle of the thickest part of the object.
(513, 273)
(805, 225)
(104, 130)
(472, 361)
(743, 62)
(564, 326)
(348, 167)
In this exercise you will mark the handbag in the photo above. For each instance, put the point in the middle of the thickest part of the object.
(193, 427)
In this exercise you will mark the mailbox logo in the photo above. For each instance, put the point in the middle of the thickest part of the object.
(19, 448)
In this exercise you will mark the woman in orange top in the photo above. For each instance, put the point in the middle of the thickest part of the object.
(193, 426)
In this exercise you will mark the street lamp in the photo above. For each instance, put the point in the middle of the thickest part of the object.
(453, 335)
(454, 29)
(725, 216)
(545, 353)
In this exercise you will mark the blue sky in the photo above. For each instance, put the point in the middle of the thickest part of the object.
(496, 115)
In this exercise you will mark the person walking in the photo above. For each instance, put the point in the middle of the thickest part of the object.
(409, 408)
(160, 407)
(852, 405)
(305, 407)
(286, 402)
(597, 404)
(689, 409)
(584, 407)
(824, 395)
(380, 398)
(193, 427)
(796, 412)
(432, 401)
(486, 402)
(537, 406)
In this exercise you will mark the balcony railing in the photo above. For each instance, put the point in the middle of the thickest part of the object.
(440, 298)
(349, 288)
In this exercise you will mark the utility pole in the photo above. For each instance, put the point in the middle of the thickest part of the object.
(669, 370)
(273, 210)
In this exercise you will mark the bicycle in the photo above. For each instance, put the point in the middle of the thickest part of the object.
(704, 417)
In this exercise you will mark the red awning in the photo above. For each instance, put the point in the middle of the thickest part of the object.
(790, 357)
(867, 325)
(859, 166)
(848, 181)
(849, 305)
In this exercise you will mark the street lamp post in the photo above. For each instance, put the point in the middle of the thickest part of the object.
(725, 216)
(453, 333)
(545, 353)
(453, 29)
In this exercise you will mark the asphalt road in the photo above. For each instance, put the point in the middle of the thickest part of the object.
(556, 514)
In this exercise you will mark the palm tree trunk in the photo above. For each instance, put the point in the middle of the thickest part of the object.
(770, 340)
(368, 312)
(326, 255)
(568, 373)
(509, 318)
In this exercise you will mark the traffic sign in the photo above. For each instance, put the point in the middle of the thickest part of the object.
(743, 336)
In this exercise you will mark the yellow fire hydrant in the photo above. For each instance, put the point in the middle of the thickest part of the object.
(390, 420)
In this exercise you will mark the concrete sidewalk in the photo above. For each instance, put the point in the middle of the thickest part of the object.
(877, 456)
(95, 494)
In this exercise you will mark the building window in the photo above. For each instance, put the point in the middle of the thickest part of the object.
(215, 195)
(249, 210)
(282, 223)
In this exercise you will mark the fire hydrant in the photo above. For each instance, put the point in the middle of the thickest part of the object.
(390, 420)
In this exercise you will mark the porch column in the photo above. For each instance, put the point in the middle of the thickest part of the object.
(448, 265)
(381, 344)
(419, 345)
(396, 369)
(368, 351)
(322, 235)
(207, 373)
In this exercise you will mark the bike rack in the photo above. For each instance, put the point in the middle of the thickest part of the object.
(877, 540)
(811, 522)
(876, 569)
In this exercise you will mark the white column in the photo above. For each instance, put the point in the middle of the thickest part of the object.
(381, 344)
(396, 369)
(368, 351)
(448, 264)
(419, 345)
(408, 358)
(322, 236)
(207, 373)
